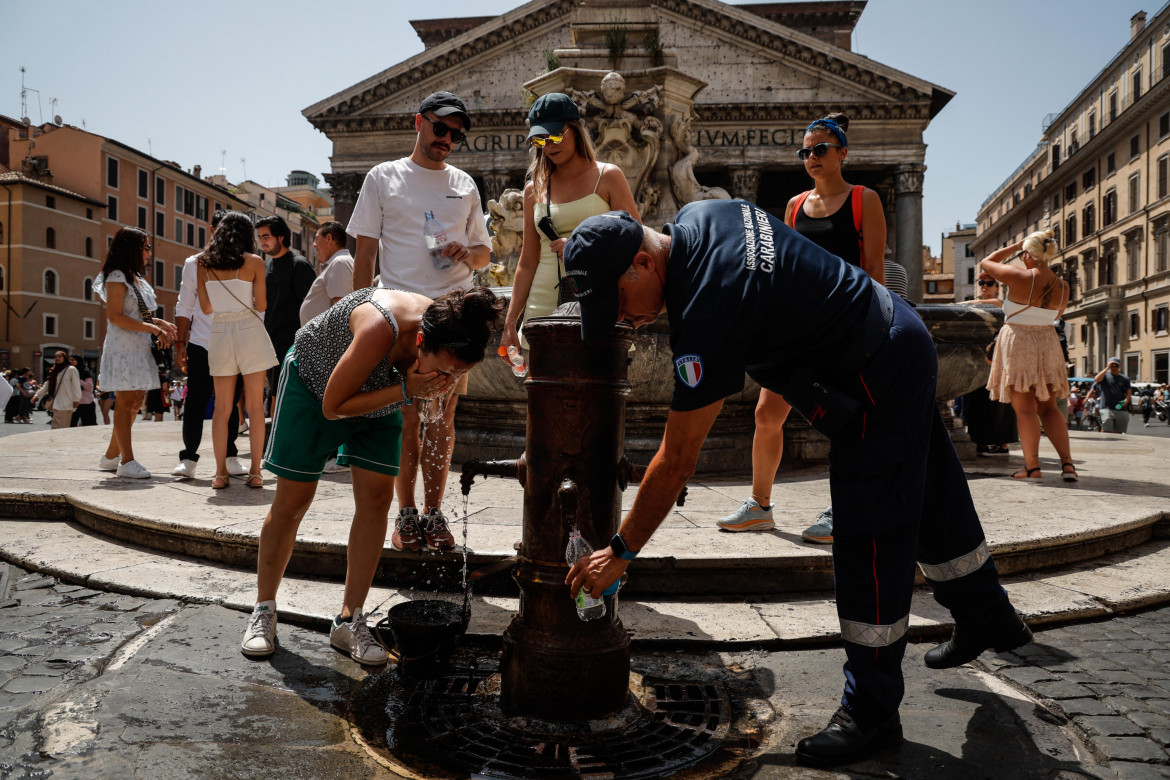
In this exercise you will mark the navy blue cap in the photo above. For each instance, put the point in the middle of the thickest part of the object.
(550, 112)
(445, 104)
(596, 255)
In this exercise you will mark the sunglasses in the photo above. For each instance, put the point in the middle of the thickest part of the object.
(540, 140)
(988, 284)
(820, 150)
(441, 131)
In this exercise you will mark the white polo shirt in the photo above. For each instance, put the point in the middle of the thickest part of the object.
(392, 208)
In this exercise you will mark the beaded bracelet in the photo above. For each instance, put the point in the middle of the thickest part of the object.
(406, 401)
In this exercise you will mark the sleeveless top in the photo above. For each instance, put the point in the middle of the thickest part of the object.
(221, 299)
(542, 297)
(835, 233)
(322, 341)
(1027, 314)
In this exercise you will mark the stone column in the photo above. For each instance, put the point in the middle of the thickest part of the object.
(345, 187)
(908, 197)
(745, 183)
(494, 185)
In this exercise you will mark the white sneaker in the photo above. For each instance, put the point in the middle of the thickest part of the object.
(244, 427)
(332, 467)
(354, 637)
(133, 470)
(260, 635)
(109, 464)
(235, 468)
(185, 469)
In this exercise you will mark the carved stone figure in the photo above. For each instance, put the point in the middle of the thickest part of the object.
(505, 222)
(682, 173)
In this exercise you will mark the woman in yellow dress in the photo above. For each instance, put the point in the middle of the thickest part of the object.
(566, 184)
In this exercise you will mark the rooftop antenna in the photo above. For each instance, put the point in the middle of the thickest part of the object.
(244, 162)
(149, 147)
(53, 108)
(24, 100)
(222, 160)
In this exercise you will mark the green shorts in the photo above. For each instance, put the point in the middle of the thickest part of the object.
(302, 439)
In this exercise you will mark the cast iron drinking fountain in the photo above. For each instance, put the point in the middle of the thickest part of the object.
(563, 703)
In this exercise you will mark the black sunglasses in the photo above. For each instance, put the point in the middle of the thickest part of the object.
(441, 131)
(820, 150)
(987, 284)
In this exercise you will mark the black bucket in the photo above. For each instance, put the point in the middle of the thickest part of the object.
(424, 631)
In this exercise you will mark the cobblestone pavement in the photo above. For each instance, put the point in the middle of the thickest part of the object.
(102, 685)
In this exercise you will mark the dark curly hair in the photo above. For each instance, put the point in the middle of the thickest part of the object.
(462, 322)
(125, 253)
(234, 237)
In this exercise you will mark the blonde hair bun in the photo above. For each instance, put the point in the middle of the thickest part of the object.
(1041, 245)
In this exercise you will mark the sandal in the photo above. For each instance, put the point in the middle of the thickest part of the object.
(254, 480)
(1071, 474)
(1027, 473)
(220, 481)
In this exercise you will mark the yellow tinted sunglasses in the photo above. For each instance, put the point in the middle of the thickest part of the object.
(540, 140)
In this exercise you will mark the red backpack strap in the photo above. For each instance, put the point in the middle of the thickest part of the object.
(857, 196)
(797, 206)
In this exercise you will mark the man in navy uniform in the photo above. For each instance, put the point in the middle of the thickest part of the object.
(744, 293)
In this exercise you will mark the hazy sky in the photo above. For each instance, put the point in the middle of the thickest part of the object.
(186, 81)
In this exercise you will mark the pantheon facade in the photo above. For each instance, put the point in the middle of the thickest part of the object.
(749, 79)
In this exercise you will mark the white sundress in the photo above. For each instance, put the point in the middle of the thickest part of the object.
(127, 363)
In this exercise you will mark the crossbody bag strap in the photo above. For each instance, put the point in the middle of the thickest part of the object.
(229, 292)
(146, 315)
(1031, 290)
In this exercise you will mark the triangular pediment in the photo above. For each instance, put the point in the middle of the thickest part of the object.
(747, 60)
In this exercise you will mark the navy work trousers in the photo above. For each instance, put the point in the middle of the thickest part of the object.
(900, 497)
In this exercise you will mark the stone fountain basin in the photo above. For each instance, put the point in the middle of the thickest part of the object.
(491, 418)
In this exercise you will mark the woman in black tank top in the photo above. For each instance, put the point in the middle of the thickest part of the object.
(850, 223)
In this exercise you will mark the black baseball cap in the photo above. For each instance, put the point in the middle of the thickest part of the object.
(597, 253)
(549, 114)
(445, 104)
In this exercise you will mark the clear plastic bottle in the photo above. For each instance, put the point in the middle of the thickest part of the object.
(519, 367)
(588, 608)
(436, 236)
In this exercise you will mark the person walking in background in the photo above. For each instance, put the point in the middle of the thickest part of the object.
(63, 389)
(178, 391)
(127, 365)
(1027, 369)
(991, 425)
(288, 278)
(1113, 391)
(565, 185)
(848, 221)
(191, 352)
(86, 412)
(352, 368)
(239, 343)
(401, 203)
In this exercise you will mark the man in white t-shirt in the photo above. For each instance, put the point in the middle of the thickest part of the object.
(336, 278)
(390, 225)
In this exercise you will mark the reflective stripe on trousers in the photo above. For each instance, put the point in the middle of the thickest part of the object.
(870, 635)
(965, 564)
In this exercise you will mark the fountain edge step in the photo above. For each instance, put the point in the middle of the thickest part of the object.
(1121, 582)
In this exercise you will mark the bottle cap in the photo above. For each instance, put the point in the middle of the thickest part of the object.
(502, 351)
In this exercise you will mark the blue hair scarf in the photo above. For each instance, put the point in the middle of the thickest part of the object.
(833, 128)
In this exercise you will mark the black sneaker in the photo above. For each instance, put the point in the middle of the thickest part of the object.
(1006, 631)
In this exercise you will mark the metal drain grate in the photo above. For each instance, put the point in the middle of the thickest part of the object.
(458, 724)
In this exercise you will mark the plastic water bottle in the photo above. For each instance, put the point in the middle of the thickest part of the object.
(436, 236)
(588, 608)
(519, 367)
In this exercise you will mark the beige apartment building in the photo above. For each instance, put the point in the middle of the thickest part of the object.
(958, 256)
(103, 185)
(50, 239)
(1100, 179)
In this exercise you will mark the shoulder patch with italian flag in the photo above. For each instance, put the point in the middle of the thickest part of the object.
(689, 369)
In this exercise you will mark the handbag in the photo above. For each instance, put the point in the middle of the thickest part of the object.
(162, 357)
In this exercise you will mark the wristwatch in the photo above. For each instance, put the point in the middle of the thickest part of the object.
(619, 547)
